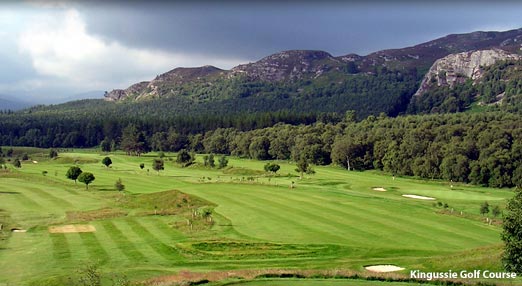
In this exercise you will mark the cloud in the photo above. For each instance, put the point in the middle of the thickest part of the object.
(60, 47)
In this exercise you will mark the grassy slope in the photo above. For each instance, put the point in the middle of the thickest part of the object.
(334, 210)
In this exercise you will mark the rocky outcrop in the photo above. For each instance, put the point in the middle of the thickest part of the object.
(182, 75)
(133, 90)
(287, 65)
(457, 68)
(150, 89)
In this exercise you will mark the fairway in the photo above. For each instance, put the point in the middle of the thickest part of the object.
(331, 220)
(311, 282)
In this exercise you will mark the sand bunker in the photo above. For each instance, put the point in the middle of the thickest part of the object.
(379, 189)
(419, 197)
(72, 228)
(383, 268)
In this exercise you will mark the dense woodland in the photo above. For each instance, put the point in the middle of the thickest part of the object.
(481, 147)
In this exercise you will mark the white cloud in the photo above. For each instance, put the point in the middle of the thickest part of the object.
(60, 47)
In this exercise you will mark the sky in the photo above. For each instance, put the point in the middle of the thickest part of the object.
(56, 49)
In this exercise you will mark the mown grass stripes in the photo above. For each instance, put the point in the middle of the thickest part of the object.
(60, 246)
(121, 241)
(94, 247)
(384, 219)
(49, 197)
(166, 251)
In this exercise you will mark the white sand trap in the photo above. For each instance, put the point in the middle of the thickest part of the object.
(383, 268)
(19, 230)
(35, 162)
(419, 197)
(379, 189)
(72, 228)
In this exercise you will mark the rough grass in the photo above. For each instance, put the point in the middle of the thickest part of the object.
(165, 203)
(242, 171)
(256, 250)
(104, 213)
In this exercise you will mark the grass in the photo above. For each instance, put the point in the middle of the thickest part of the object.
(331, 220)
(312, 282)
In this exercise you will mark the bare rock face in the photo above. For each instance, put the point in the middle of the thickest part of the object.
(287, 65)
(456, 68)
(119, 94)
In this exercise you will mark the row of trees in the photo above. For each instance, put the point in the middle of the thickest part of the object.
(478, 148)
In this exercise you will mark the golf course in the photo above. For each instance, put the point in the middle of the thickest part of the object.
(238, 225)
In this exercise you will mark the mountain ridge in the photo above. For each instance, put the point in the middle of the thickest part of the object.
(293, 65)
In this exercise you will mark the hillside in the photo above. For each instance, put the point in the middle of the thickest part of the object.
(460, 81)
(7, 103)
(303, 75)
(294, 87)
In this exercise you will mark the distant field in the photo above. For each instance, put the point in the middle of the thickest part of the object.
(331, 220)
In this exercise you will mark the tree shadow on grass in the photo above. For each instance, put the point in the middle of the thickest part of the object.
(9, 193)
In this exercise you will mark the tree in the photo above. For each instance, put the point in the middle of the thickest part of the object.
(517, 177)
(73, 173)
(86, 178)
(496, 211)
(142, 165)
(259, 147)
(304, 167)
(484, 208)
(17, 163)
(223, 162)
(53, 153)
(211, 161)
(512, 234)
(272, 167)
(206, 213)
(157, 165)
(105, 145)
(133, 141)
(107, 162)
(185, 158)
(119, 186)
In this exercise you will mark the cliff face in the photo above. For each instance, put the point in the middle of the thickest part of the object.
(456, 68)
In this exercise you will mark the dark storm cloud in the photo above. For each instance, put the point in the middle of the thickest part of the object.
(49, 48)
(255, 29)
